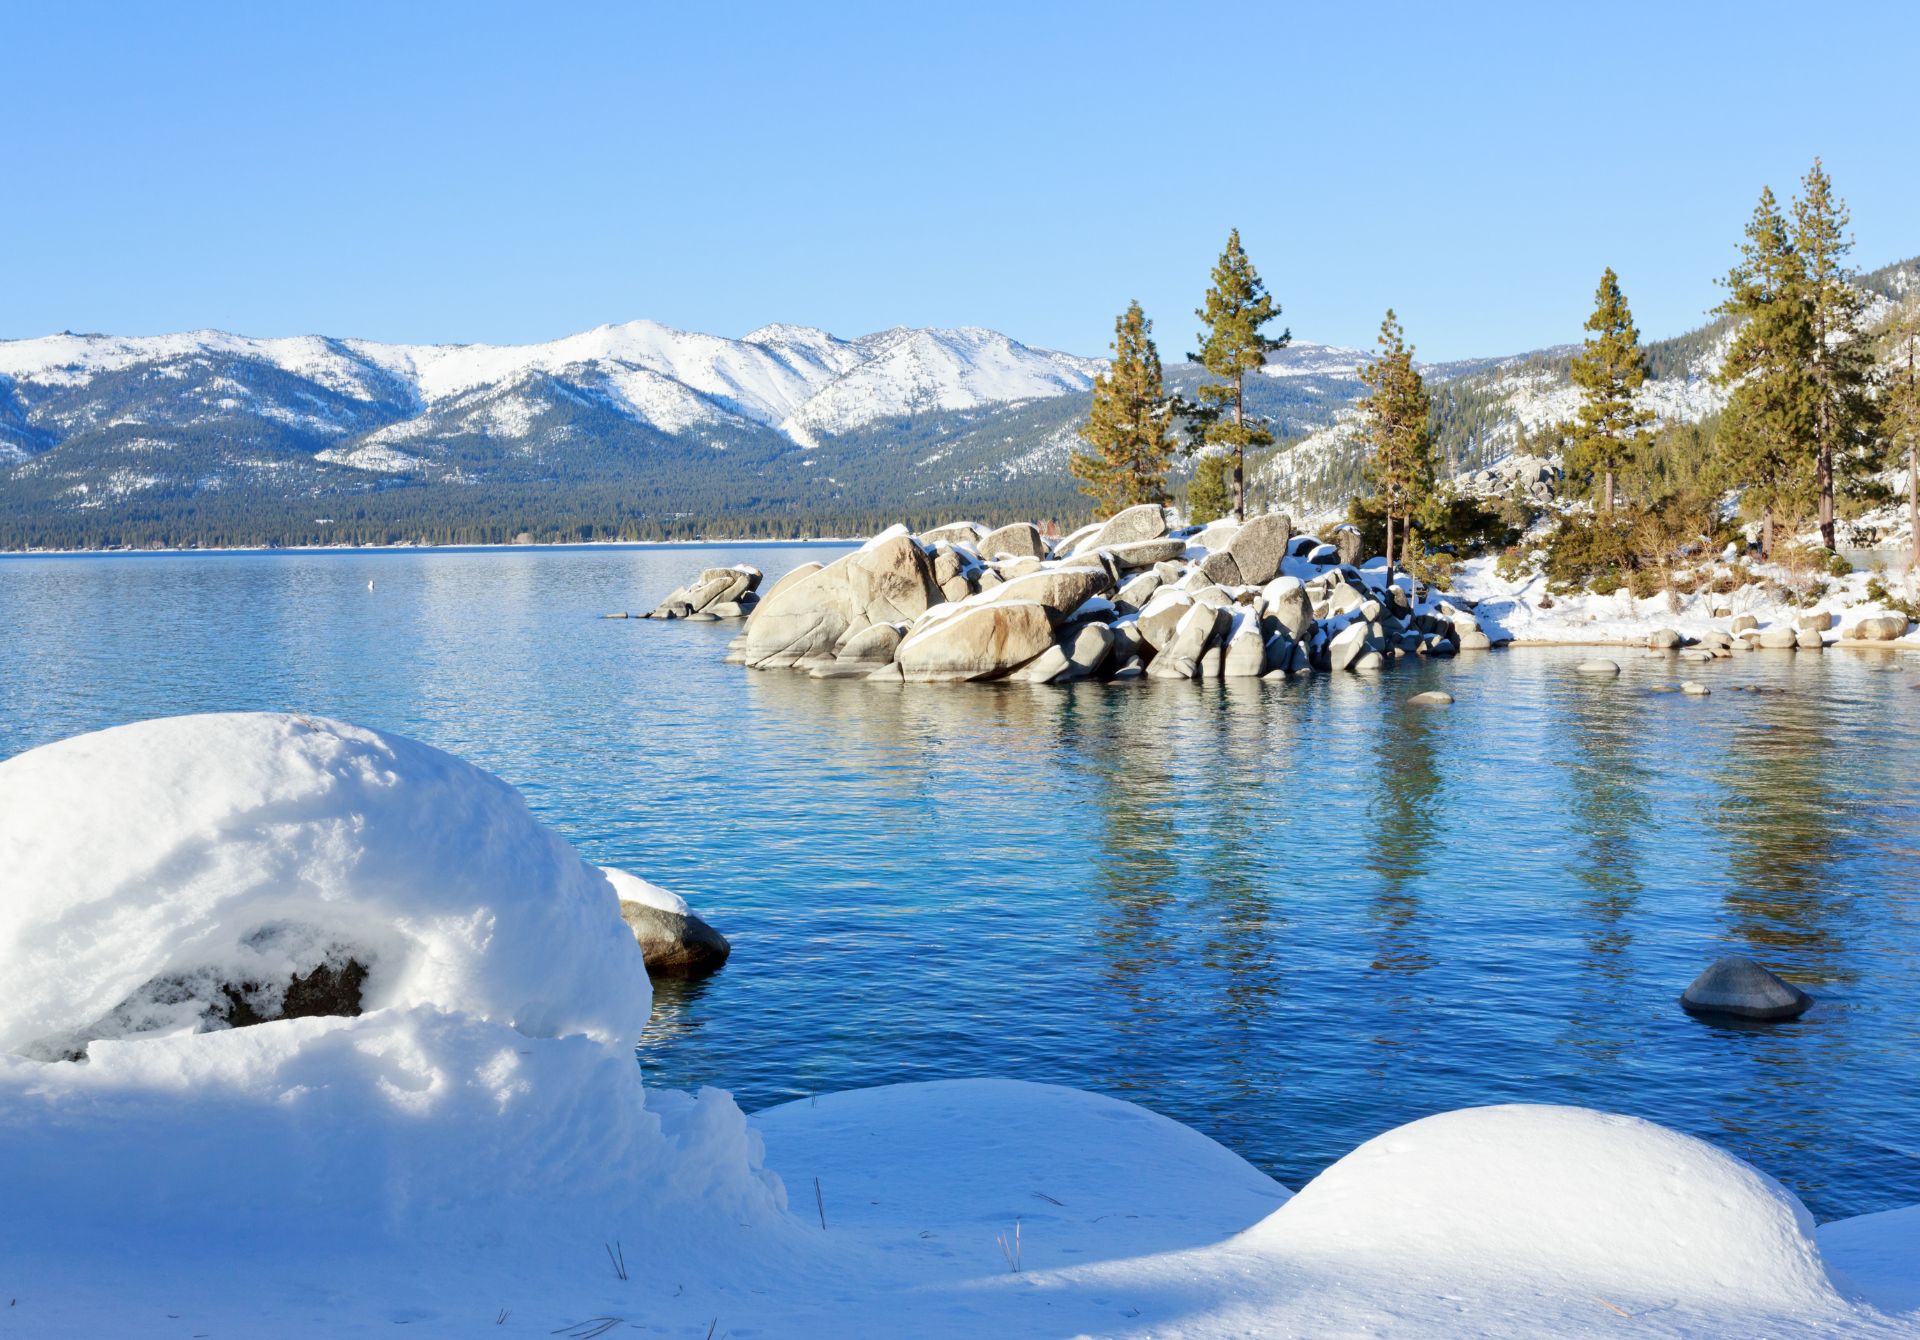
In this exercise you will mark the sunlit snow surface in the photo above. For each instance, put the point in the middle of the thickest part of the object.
(477, 1151)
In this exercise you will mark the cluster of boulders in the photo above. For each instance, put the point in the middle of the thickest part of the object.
(1745, 633)
(1126, 598)
(717, 593)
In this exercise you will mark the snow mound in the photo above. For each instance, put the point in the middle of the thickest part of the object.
(151, 865)
(482, 1088)
(1565, 1199)
(972, 1156)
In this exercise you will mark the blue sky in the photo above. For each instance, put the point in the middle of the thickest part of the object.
(517, 172)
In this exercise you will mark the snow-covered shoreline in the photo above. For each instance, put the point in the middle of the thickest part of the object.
(475, 1148)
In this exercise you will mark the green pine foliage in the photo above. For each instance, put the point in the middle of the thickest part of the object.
(1394, 418)
(1609, 432)
(1209, 492)
(1769, 418)
(1233, 343)
(1840, 370)
(1127, 425)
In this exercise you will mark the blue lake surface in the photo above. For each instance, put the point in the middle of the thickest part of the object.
(1291, 914)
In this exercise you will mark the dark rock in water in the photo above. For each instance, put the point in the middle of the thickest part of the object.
(675, 944)
(1737, 986)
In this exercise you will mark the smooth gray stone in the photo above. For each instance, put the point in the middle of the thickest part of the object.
(675, 944)
(1597, 667)
(1737, 986)
(1431, 698)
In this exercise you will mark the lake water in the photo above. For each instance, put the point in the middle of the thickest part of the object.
(1291, 914)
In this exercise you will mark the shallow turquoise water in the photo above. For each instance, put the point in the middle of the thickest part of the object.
(1290, 914)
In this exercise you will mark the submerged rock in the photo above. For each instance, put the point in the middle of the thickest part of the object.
(1597, 666)
(1431, 698)
(1736, 985)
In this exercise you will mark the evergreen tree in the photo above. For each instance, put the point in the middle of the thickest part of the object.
(1769, 415)
(1208, 495)
(1610, 429)
(1395, 425)
(1237, 309)
(1127, 426)
(1841, 365)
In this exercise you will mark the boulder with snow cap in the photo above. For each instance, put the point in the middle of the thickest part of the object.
(981, 641)
(1162, 615)
(1086, 646)
(1665, 639)
(1022, 538)
(673, 941)
(1737, 986)
(1146, 521)
(1060, 589)
(956, 532)
(1140, 554)
(1348, 546)
(890, 579)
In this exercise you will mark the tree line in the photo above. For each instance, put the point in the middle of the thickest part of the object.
(1812, 423)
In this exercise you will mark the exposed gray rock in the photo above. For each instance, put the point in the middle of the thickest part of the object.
(1779, 638)
(1346, 646)
(1737, 986)
(1742, 622)
(1246, 652)
(958, 532)
(875, 644)
(1061, 590)
(1695, 688)
(976, 642)
(1258, 547)
(1475, 641)
(1137, 554)
(1665, 639)
(1148, 521)
(1021, 538)
(1086, 649)
(675, 944)
(1597, 666)
(1048, 665)
(1347, 544)
(1879, 628)
(1220, 569)
(1162, 616)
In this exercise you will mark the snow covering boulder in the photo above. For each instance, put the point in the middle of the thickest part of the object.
(1147, 521)
(1060, 590)
(483, 1106)
(674, 942)
(721, 592)
(1558, 1198)
(1136, 555)
(1736, 985)
(188, 873)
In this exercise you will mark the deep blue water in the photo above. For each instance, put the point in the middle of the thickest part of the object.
(1290, 914)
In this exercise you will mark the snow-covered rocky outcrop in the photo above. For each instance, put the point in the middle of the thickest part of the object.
(468, 1147)
(1122, 599)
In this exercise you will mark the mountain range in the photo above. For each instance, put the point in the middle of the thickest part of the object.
(640, 430)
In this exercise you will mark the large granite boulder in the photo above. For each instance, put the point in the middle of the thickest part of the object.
(1737, 986)
(958, 532)
(1347, 646)
(805, 615)
(1220, 569)
(1062, 590)
(1347, 546)
(1665, 639)
(1879, 628)
(1021, 539)
(1258, 547)
(1246, 652)
(1779, 638)
(874, 644)
(1287, 600)
(1148, 521)
(1136, 554)
(891, 579)
(976, 641)
(1162, 615)
(1086, 646)
(1199, 630)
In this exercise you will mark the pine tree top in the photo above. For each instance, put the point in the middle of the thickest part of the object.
(1237, 307)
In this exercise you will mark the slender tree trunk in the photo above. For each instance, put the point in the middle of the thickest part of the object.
(1609, 493)
(1824, 471)
(1389, 550)
(1239, 448)
(1766, 535)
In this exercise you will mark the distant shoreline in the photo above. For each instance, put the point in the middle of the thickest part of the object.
(704, 542)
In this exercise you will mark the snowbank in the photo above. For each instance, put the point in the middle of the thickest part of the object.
(1523, 609)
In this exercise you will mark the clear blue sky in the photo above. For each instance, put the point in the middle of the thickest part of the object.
(516, 172)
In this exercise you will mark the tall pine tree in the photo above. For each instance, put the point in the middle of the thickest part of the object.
(1395, 425)
(1128, 426)
(1842, 366)
(1770, 410)
(1208, 496)
(1233, 344)
(1610, 431)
